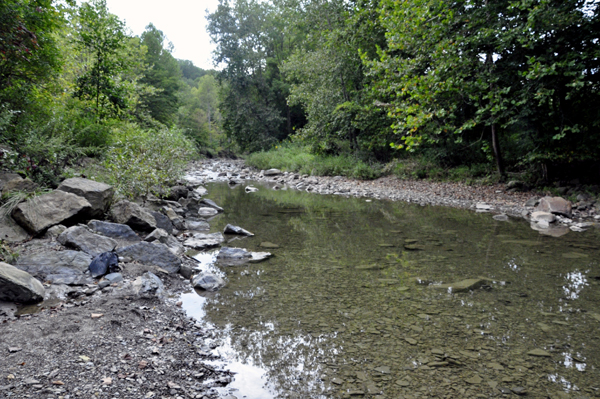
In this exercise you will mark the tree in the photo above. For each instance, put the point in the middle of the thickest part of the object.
(164, 75)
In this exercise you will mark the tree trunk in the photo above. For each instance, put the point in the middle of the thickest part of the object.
(497, 153)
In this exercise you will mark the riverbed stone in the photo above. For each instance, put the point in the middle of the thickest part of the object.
(203, 241)
(121, 233)
(163, 222)
(79, 237)
(259, 256)
(196, 224)
(98, 194)
(11, 232)
(231, 229)
(272, 172)
(556, 205)
(19, 286)
(208, 282)
(233, 253)
(211, 204)
(148, 286)
(133, 215)
(462, 286)
(543, 217)
(157, 254)
(538, 353)
(57, 207)
(64, 267)
(207, 212)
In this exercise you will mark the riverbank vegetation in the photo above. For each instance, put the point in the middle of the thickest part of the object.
(509, 87)
(76, 86)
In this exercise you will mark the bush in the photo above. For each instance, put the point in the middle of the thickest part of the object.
(143, 161)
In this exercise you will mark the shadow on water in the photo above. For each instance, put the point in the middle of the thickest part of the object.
(352, 304)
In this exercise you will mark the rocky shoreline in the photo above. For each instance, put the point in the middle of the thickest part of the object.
(110, 276)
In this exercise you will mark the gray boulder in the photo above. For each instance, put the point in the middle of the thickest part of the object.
(79, 237)
(98, 194)
(58, 267)
(236, 256)
(163, 222)
(11, 232)
(133, 215)
(57, 207)
(120, 232)
(207, 282)
(203, 241)
(19, 286)
(195, 224)
(24, 185)
(207, 212)
(272, 172)
(156, 254)
(556, 205)
(211, 204)
(231, 229)
(148, 285)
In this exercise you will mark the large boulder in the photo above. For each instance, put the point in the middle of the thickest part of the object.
(19, 286)
(10, 232)
(98, 194)
(556, 205)
(117, 231)
(156, 254)
(133, 215)
(203, 241)
(24, 185)
(58, 267)
(79, 237)
(57, 207)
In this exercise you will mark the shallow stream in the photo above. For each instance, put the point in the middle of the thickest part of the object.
(351, 304)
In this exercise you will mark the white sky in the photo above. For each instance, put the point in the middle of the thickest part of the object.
(182, 21)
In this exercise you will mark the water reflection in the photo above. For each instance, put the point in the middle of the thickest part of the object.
(348, 306)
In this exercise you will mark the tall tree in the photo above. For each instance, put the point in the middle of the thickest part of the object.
(163, 74)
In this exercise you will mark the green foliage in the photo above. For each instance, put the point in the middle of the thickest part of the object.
(297, 158)
(141, 161)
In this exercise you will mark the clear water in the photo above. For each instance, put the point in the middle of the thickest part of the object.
(348, 306)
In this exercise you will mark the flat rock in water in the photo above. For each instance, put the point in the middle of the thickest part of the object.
(203, 241)
(208, 282)
(133, 215)
(120, 232)
(556, 205)
(462, 286)
(539, 353)
(98, 194)
(156, 254)
(231, 229)
(57, 207)
(11, 232)
(79, 237)
(65, 267)
(259, 256)
(104, 263)
(552, 230)
(19, 286)
(211, 204)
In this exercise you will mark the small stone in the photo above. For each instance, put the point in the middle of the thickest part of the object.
(403, 383)
(474, 380)
(97, 315)
(539, 353)
(337, 381)
(519, 390)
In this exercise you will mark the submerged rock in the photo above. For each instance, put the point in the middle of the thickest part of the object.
(236, 256)
(203, 241)
(207, 212)
(462, 286)
(19, 286)
(208, 282)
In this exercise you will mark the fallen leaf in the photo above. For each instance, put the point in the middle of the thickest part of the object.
(106, 381)
(97, 315)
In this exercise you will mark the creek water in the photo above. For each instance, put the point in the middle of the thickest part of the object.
(352, 303)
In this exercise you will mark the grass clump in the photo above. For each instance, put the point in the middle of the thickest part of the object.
(296, 158)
